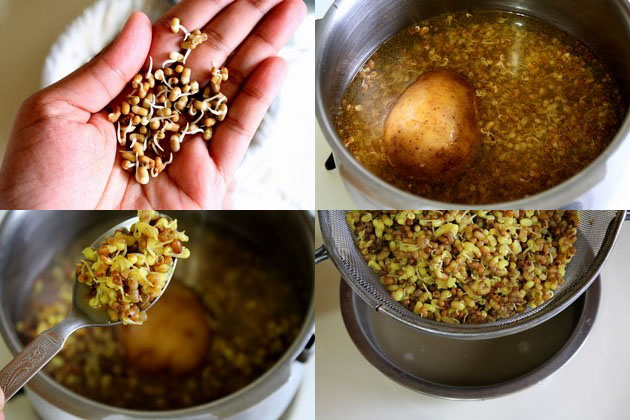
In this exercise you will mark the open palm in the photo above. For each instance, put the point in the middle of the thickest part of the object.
(63, 151)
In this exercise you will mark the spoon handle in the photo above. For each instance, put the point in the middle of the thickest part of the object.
(34, 357)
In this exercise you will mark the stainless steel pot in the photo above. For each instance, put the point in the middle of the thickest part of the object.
(30, 239)
(353, 29)
(468, 370)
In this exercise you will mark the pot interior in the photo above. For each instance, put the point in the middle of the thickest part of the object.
(357, 28)
(40, 248)
(467, 369)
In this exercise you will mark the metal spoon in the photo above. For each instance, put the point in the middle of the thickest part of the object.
(46, 345)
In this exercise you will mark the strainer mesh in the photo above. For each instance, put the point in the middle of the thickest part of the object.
(596, 234)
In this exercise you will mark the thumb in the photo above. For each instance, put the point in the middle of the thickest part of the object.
(1, 401)
(97, 83)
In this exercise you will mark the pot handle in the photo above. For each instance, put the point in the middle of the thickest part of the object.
(321, 254)
(308, 351)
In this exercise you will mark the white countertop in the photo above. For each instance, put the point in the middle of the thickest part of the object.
(595, 384)
(331, 194)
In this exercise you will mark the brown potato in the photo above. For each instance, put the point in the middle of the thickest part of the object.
(175, 337)
(432, 131)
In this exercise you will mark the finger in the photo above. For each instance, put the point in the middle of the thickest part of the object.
(225, 33)
(94, 85)
(193, 14)
(266, 41)
(194, 174)
(232, 137)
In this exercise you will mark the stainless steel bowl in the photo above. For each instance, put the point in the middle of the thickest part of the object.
(353, 29)
(30, 239)
(463, 369)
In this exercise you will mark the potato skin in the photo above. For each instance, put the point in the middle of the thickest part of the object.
(432, 132)
(175, 337)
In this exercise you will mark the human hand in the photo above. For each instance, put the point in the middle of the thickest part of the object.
(62, 151)
(1, 404)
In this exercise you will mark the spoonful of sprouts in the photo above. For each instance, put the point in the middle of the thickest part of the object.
(122, 274)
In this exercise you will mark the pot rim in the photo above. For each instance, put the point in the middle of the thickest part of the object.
(588, 315)
(67, 400)
(559, 196)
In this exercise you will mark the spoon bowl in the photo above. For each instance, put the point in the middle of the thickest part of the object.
(46, 345)
(97, 317)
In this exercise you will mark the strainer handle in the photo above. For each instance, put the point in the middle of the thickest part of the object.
(321, 254)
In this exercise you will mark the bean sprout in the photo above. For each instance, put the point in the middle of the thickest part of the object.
(161, 104)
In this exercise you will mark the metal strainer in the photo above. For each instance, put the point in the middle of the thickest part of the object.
(597, 234)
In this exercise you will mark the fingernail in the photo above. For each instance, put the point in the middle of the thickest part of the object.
(1, 400)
